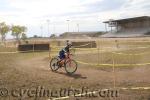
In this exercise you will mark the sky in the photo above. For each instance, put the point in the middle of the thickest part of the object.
(45, 17)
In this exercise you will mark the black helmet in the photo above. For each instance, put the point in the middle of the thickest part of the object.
(69, 43)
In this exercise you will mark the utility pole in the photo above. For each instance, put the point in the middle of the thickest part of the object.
(54, 28)
(68, 24)
(78, 27)
(48, 21)
(41, 31)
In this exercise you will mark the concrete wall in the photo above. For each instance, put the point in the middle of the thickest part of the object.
(33, 47)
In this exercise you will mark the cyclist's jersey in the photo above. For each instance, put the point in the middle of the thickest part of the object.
(66, 49)
(63, 51)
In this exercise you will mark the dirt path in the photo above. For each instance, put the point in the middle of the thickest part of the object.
(35, 72)
(39, 68)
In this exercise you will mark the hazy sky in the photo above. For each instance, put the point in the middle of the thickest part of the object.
(89, 14)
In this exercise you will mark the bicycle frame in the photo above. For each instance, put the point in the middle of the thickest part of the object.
(68, 57)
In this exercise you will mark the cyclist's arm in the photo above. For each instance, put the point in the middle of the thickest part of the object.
(67, 54)
(66, 51)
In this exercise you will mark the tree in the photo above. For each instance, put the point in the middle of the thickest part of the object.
(35, 36)
(4, 29)
(53, 36)
(24, 37)
(18, 31)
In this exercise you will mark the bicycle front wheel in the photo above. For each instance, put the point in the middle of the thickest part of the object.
(71, 66)
(54, 64)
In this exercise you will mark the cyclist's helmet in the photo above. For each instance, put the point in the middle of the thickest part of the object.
(69, 43)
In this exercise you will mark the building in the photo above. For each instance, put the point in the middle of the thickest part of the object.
(130, 27)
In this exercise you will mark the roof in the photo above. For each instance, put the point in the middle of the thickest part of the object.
(130, 19)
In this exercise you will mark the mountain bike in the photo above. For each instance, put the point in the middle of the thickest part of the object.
(69, 64)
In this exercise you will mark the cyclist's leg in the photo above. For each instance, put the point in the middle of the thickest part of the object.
(62, 59)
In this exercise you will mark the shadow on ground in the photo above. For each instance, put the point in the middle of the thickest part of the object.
(75, 76)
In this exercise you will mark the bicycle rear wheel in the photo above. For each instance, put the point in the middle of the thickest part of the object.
(54, 64)
(71, 66)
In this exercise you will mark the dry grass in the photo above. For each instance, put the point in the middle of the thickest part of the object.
(7, 49)
(27, 70)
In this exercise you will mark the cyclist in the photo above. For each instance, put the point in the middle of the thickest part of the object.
(63, 53)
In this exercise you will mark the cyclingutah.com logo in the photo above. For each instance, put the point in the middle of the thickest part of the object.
(41, 91)
(3, 92)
